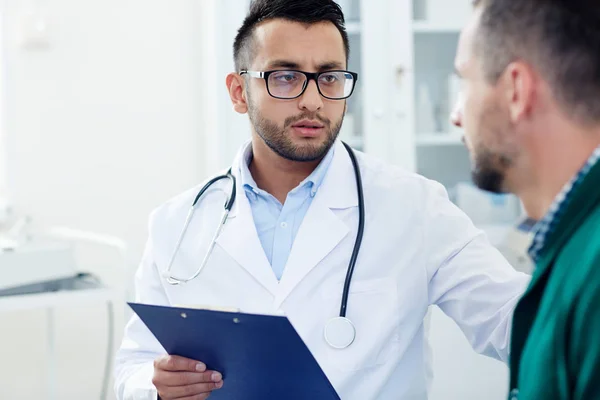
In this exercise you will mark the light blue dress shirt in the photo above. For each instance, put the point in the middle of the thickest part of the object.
(277, 224)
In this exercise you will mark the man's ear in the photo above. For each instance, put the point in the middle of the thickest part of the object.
(235, 87)
(518, 83)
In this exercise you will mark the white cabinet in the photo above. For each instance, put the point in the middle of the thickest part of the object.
(404, 52)
(400, 110)
(380, 110)
(434, 31)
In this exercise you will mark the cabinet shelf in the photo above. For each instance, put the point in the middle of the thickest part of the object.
(427, 27)
(439, 139)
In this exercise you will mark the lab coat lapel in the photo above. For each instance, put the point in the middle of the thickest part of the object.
(322, 229)
(240, 239)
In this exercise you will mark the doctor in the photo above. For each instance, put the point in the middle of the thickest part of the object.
(290, 237)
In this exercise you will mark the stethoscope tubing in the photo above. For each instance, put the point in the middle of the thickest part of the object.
(228, 206)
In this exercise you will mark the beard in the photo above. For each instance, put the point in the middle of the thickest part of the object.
(491, 163)
(489, 171)
(282, 144)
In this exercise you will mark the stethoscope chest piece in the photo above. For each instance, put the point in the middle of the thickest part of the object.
(340, 332)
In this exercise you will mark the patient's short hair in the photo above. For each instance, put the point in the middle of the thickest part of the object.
(559, 38)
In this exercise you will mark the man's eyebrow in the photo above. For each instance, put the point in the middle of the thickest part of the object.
(283, 64)
(330, 65)
(326, 66)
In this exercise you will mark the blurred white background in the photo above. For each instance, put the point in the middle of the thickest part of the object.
(111, 107)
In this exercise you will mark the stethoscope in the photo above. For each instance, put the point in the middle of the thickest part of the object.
(339, 331)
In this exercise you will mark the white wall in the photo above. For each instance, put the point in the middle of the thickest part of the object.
(106, 119)
(103, 125)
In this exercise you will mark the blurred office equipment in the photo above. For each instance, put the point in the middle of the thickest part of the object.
(39, 270)
(23, 267)
(486, 208)
(515, 245)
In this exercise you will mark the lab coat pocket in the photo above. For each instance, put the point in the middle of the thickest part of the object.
(372, 308)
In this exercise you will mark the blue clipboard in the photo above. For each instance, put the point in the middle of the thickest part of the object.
(261, 357)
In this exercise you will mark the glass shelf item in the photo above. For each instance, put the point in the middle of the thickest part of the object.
(428, 27)
(443, 13)
(439, 139)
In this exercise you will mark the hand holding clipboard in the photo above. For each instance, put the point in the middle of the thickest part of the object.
(178, 377)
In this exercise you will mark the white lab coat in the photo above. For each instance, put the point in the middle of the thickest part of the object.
(418, 250)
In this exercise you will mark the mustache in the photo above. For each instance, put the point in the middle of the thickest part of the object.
(289, 121)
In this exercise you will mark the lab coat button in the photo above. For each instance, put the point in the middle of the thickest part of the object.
(284, 225)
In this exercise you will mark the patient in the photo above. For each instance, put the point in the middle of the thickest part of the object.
(531, 114)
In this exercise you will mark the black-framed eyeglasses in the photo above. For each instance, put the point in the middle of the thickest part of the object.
(291, 84)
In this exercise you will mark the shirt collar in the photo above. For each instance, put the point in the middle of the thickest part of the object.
(546, 225)
(314, 180)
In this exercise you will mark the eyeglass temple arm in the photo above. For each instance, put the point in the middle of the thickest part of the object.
(253, 74)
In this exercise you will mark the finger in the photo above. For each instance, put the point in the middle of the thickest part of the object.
(202, 396)
(192, 390)
(172, 379)
(177, 363)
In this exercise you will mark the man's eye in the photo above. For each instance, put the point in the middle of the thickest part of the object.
(329, 78)
(286, 78)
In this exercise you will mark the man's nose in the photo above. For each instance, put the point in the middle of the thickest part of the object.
(456, 115)
(311, 98)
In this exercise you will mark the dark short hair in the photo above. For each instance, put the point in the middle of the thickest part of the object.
(559, 38)
(304, 11)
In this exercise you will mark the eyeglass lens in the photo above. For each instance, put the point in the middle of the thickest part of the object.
(290, 84)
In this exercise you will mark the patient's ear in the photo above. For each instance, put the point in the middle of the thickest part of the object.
(235, 86)
(519, 82)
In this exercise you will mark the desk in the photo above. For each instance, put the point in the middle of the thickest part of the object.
(75, 297)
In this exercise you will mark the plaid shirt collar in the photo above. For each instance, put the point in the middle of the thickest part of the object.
(547, 224)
